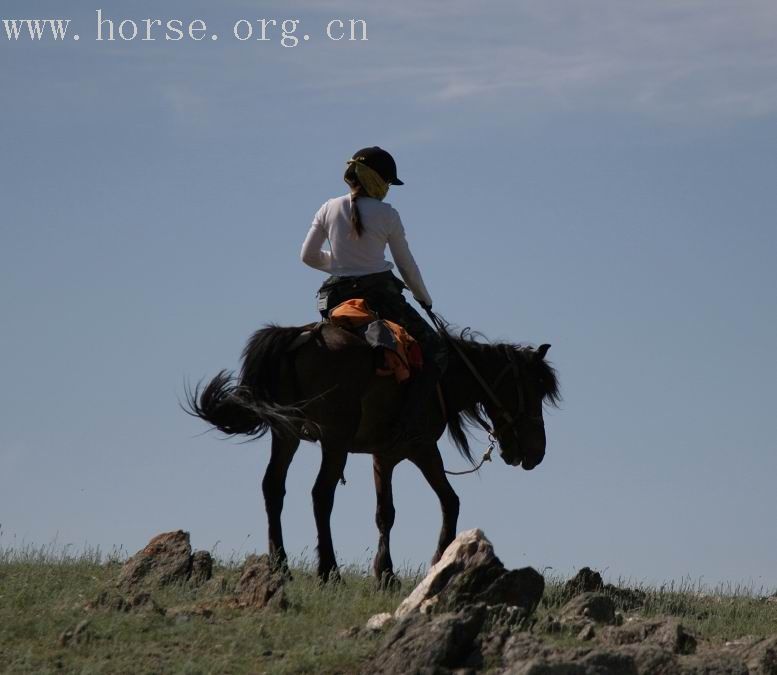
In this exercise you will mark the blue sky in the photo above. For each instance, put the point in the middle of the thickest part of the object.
(596, 175)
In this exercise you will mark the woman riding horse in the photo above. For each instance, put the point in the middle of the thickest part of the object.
(358, 226)
(319, 384)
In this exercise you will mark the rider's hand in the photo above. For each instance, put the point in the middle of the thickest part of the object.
(427, 307)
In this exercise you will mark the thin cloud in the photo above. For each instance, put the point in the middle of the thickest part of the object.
(680, 57)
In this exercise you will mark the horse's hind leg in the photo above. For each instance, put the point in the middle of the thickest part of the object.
(333, 459)
(274, 489)
(383, 470)
(427, 458)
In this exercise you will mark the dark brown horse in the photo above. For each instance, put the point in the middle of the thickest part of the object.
(319, 383)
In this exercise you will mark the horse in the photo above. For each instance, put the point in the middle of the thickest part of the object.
(318, 383)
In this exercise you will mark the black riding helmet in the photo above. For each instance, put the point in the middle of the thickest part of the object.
(381, 161)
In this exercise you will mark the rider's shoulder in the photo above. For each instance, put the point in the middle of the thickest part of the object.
(379, 206)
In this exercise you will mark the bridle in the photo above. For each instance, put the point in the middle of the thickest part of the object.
(513, 367)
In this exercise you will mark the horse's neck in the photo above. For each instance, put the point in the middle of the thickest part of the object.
(461, 386)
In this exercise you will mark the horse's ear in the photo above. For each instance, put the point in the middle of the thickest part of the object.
(542, 350)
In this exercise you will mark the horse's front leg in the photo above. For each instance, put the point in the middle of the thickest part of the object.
(333, 459)
(274, 490)
(383, 470)
(427, 458)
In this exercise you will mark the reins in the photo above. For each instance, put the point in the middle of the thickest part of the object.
(503, 413)
(486, 458)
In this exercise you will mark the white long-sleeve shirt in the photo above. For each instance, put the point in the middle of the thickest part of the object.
(349, 255)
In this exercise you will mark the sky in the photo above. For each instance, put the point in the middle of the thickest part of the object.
(596, 175)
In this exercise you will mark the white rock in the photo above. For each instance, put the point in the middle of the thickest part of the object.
(471, 548)
(377, 622)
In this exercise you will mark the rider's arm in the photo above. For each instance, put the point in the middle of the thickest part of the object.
(400, 251)
(312, 254)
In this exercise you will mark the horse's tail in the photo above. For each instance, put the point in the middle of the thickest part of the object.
(249, 404)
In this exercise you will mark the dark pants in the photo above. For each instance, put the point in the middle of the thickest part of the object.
(383, 293)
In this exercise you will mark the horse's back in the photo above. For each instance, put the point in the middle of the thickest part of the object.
(332, 360)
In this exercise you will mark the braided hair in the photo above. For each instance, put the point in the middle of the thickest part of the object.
(357, 190)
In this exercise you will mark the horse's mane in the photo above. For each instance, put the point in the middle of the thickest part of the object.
(480, 349)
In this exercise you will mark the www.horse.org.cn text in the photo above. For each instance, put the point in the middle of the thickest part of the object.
(284, 32)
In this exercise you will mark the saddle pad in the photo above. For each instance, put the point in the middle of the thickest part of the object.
(402, 353)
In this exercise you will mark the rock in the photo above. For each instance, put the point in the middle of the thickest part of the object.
(667, 633)
(166, 559)
(495, 586)
(515, 647)
(469, 572)
(509, 616)
(672, 635)
(595, 662)
(590, 581)
(77, 635)
(260, 585)
(652, 659)
(596, 607)
(604, 662)
(424, 643)
(626, 599)
(601, 662)
(585, 581)
(202, 567)
(712, 663)
(469, 549)
(378, 622)
(760, 655)
(587, 633)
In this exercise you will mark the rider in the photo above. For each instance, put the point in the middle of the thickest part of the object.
(358, 226)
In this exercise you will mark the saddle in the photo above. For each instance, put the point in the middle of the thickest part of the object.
(401, 352)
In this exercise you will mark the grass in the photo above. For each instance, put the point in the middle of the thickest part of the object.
(43, 593)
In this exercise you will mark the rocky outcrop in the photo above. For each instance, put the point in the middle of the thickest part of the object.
(469, 573)
(428, 643)
(627, 660)
(202, 567)
(585, 581)
(378, 622)
(667, 633)
(596, 607)
(712, 663)
(166, 559)
(759, 654)
(260, 585)
(590, 581)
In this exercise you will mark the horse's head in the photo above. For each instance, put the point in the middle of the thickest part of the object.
(526, 380)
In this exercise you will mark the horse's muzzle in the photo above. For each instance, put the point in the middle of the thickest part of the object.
(529, 463)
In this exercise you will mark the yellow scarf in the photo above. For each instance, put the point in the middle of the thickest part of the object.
(371, 180)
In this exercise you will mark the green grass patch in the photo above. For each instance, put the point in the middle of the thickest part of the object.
(43, 592)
